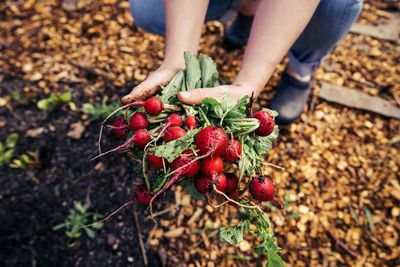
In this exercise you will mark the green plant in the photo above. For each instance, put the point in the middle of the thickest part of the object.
(53, 100)
(78, 217)
(26, 160)
(7, 149)
(100, 111)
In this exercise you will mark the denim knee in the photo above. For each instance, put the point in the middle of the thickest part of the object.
(149, 15)
(330, 22)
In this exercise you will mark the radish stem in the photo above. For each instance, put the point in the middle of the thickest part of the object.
(110, 115)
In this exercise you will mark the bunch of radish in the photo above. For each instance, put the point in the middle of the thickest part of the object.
(212, 151)
(215, 149)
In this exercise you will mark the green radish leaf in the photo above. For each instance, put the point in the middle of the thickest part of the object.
(274, 113)
(234, 234)
(274, 260)
(192, 72)
(209, 73)
(263, 144)
(210, 102)
(173, 149)
(244, 162)
(169, 92)
(191, 189)
(214, 108)
(238, 110)
(160, 182)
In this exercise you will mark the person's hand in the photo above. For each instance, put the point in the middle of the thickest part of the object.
(148, 87)
(236, 91)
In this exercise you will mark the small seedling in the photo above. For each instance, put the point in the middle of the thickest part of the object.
(78, 217)
(7, 149)
(53, 100)
(99, 111)
(26, 160)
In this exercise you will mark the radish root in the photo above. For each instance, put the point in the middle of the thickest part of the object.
(234, 201)
(174, 179)
(111, 214)
(110, 115)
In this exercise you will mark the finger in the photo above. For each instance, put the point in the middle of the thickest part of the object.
(140, 92)
(196, 96)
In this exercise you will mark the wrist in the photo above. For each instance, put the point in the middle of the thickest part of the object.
(255, 77)
(172, 65)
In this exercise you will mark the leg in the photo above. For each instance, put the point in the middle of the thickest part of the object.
(149, 14)
(238, 33)
(331, 21)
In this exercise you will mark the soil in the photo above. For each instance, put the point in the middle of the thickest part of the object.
(31, 203)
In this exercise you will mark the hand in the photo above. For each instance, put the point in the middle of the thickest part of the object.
(196, 96)
(148, 87)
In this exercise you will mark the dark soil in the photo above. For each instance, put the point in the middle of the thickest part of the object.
(32, 202)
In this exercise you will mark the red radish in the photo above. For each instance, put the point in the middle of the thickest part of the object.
(220, 181)
(233, 151)
(185, 158)
(174, 120)
(139, 121)
(202, 184)
(141, 137)
(267, 123)
(232, 182)
(143, 195)
(212, 165)
(262, 188)
(155, 161)
(191, 122)
(153, 106)
(119, 128)
(173, 133)
(233, 195)
(211, 140)
(185, 165)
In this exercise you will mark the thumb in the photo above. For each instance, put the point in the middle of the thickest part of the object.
(196, 96)
(193, 97)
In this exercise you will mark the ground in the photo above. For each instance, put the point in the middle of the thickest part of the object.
(341, 165)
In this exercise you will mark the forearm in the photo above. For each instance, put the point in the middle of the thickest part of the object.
(276, 26)
(184, 20)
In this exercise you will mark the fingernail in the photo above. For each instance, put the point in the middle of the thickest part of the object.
(186, 94)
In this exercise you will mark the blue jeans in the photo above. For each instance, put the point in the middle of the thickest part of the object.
(330, 22)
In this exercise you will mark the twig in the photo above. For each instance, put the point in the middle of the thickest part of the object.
(110, 215)
(220, 204)
(275, 166)
(161, 212)
(341, 244)
(139, 232)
